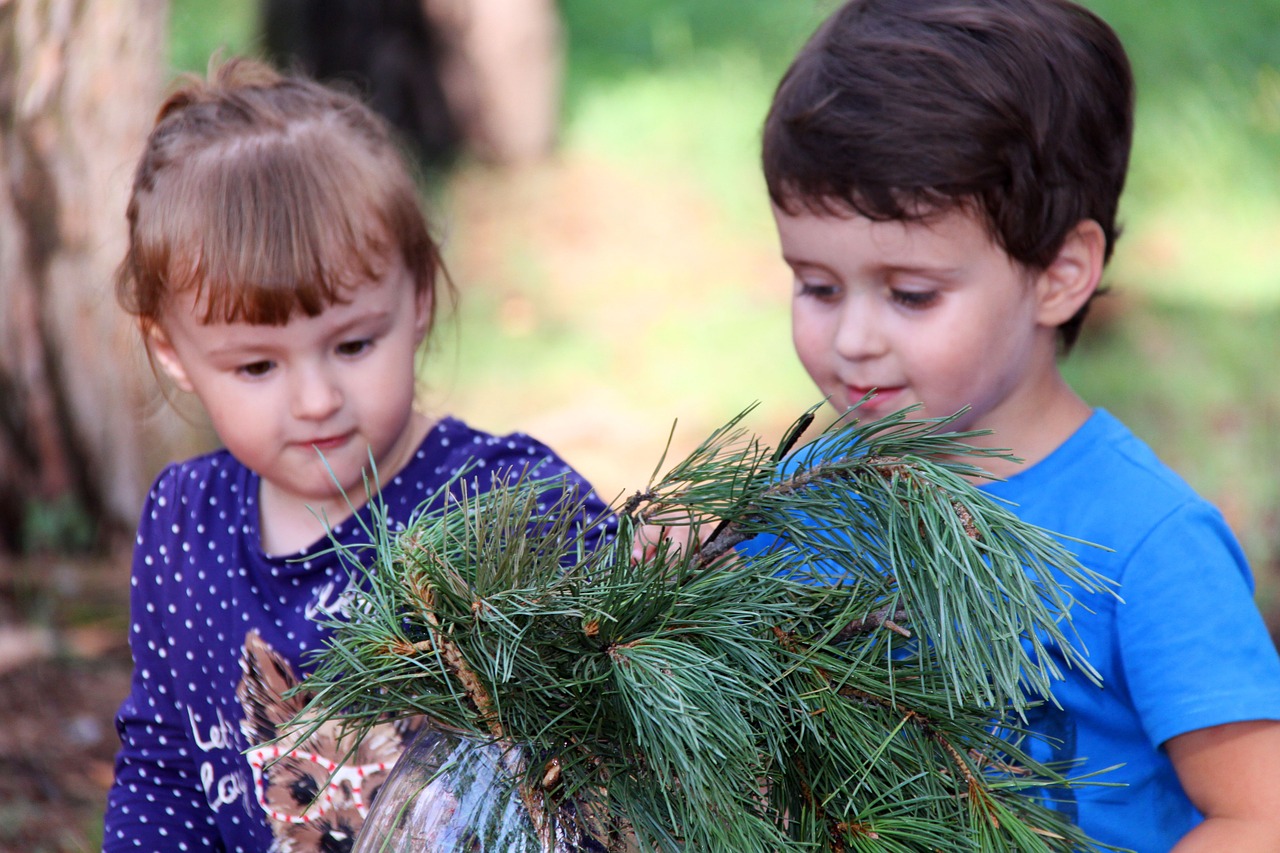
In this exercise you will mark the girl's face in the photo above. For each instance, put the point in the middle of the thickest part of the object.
(305, 405)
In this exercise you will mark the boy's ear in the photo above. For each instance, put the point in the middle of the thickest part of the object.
(1073, 276)
(162, 350)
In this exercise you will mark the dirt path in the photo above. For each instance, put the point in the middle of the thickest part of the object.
(62, 676)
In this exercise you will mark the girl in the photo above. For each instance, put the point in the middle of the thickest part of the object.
(280, 269)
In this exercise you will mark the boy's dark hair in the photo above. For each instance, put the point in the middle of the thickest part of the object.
(898, 109)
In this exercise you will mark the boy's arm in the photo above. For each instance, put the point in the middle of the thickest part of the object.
(1231, 773)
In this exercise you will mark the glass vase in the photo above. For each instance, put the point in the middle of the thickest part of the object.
(452, 794)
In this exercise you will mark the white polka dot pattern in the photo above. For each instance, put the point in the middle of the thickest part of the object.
(200, 584)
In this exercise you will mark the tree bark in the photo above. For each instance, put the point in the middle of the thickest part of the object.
(480, 77)
(502, 74)
(386, 48)
(79, 84)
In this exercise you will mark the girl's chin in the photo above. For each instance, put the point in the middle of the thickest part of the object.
(324, 487)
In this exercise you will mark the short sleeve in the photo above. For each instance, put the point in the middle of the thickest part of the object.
(1195, 650)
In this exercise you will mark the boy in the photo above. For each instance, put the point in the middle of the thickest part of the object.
(944, 177)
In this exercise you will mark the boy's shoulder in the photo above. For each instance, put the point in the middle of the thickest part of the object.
(1106, 485)
(1107, 462)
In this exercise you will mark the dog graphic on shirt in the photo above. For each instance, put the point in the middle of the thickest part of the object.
(315, 789)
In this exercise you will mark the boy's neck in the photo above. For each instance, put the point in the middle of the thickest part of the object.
(1038, 427)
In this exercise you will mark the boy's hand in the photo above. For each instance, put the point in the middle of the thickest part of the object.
(1230, 773)
(679, 531)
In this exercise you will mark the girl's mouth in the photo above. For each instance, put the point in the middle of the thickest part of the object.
(329, 442)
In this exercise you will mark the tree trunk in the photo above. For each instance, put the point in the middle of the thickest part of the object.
(386, 48)
(79, 84)
(502, 74)
(475, 76)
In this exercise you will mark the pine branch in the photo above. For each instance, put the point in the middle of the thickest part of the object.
(719, 698)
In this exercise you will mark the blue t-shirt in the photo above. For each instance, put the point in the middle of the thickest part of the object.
(1183, 648)
(220, 631)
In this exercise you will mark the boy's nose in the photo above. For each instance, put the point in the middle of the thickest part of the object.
(315, 395)
(858, 335)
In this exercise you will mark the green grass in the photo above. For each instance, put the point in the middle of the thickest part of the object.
(1204, 196)
(680, 88)
(618, 39)
(197, 28)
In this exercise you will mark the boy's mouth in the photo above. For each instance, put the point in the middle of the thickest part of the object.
(876, 396)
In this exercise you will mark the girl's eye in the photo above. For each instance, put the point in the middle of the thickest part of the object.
(256, 369)
(349, 348)
(915, 298)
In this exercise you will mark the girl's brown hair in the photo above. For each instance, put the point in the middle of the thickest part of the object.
(264, 195)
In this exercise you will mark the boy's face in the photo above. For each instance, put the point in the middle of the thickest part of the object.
(340, 384)
(920, 312)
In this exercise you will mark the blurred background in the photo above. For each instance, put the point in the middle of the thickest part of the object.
(590, 166)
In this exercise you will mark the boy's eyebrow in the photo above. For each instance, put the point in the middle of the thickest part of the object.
(940, 270)
(947, 270)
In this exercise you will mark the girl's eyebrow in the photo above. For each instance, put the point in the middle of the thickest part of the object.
(239, 349)
(373, 317)
(802, 263)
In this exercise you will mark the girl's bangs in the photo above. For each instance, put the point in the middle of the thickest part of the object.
(276, 233)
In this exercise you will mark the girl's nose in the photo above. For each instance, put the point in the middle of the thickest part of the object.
(316, 395)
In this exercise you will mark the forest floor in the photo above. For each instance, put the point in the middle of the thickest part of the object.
(64, 669)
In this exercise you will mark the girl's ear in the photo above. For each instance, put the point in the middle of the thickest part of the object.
(423, 303)
(1073, 276)
(162, 350)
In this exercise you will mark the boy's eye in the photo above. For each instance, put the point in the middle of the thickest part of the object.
(256, 369)
(354, 347)
(915, 298)
(817, 290)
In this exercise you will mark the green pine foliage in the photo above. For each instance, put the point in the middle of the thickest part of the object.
(711, 698)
